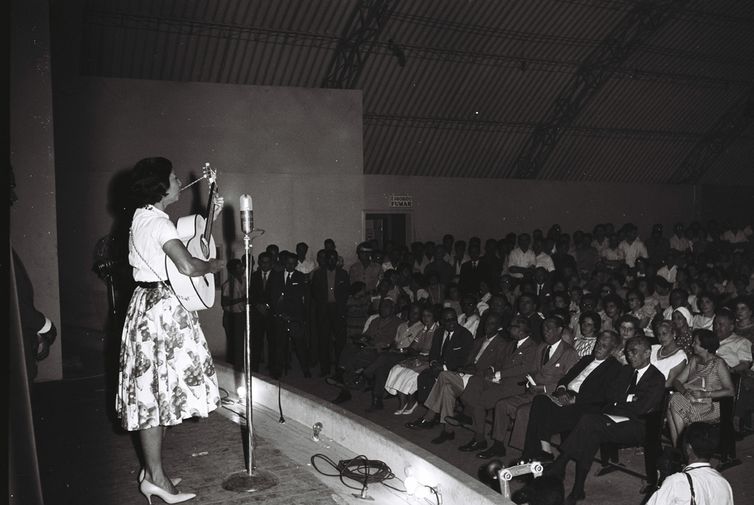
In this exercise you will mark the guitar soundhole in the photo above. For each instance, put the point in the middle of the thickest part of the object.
(206, 282)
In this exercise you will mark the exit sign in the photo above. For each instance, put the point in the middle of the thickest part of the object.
(401, 201)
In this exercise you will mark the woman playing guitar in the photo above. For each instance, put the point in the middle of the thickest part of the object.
(166, 371)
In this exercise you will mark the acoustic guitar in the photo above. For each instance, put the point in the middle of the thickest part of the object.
(195, 231)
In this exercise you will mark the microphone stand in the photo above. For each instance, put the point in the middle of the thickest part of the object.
(252, 479)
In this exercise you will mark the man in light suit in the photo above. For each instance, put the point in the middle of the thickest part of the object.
(485, 352)
(554, 358)
(501, 379)
(450, 350)
(637, 391)
(584, 389)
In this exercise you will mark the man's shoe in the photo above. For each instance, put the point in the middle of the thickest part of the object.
(342, 397)
(473, 446)
(421, 424)
(497, 450)
(444, 436)
(459, 420)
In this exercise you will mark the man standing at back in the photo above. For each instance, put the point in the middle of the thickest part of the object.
(698, 483)
(330, 295)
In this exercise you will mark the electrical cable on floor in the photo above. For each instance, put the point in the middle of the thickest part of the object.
(360, 469)
(280, 405)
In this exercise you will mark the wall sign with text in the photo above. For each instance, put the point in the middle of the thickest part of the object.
(401, 201)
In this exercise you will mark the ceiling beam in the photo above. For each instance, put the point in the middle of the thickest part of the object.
(368, 19)
(638, 25)
(726, 130)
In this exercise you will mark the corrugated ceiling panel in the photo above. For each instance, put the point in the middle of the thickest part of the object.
(478, 75)
(735, 165)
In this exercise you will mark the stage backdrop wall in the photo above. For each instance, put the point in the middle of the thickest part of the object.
(491, 208)
(296, 151)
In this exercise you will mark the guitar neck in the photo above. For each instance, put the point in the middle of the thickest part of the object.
(210, 213)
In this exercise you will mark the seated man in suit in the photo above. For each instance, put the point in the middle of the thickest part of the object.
(554, 358)
(450, 351)
(485, 352)
(501, 379)
(637, 391)
(378, 337)
(582, 390)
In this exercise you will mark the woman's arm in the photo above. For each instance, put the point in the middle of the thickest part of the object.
(187, 264)
(674, 373)
(727, 388)
(683, 376)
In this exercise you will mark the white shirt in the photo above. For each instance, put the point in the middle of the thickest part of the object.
(679, 243)
(632, 251)
(575, 384)
(545, 261)
(710, 488)
(471, 322)
(666, 364)
(553, 348)
(151, 228)
(519, 258)
(306, 266)
(669, 274)
(734, 349)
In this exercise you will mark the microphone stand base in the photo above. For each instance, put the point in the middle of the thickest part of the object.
(242, 482)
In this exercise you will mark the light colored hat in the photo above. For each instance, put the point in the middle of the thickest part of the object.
(686, 314)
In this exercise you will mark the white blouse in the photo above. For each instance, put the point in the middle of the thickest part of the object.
(150, 230)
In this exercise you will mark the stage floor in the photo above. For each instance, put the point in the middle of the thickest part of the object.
(85, 458)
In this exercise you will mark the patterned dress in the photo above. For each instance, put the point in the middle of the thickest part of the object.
(166, 370)
(706, 410)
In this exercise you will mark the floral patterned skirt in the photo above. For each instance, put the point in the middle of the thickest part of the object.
(166, 371)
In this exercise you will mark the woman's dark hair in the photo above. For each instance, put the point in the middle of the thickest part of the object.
(706, 294)
(356, 287)
(596, 319)
(150, 180)
(707, 340)
(635, 292)
(628, 318)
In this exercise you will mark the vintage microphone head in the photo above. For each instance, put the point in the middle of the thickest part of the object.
(247, 214)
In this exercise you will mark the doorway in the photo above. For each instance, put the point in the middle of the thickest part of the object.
(385, 226)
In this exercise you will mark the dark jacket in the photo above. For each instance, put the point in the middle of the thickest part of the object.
(319, 288)
(647, 397)
(491, 355)
(288, 300)
(456, 352)
(593, 392)
(257, 293)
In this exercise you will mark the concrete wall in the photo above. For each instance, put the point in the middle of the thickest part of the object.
(296, 151)
(493, 207)
(33, 222)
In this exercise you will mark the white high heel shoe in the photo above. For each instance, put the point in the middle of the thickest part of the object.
(148, 490)
(175, 481)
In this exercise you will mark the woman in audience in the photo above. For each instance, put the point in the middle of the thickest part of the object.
(667, 356)
(705, 303)
(407, 332)
(682, 319)
(435, 289)
(627, 327)
(744, 322)
(469, 318)
(402, 379)
(589, 323)
(704, 378)
(639, 310)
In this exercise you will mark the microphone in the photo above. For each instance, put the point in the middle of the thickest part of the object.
(247, 214)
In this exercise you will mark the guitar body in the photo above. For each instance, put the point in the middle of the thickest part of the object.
(194, 293)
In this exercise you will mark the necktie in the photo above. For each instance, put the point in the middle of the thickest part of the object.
(632, 387)
(546, 354)
(264, 280)
(473, 264)
(445, 343)
(287, 278)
